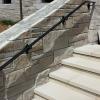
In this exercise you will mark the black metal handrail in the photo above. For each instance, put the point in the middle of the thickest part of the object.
(29, 46)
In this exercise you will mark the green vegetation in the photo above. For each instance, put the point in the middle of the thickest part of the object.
(7, 22)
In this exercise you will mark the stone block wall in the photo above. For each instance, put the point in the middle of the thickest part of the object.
(17, 81)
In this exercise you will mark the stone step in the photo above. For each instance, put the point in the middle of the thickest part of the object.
(90, 50)
(86, 57)
(56, 91)
(81, 63)
(82, 80)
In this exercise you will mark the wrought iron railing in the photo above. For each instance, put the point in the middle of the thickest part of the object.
(62, 21)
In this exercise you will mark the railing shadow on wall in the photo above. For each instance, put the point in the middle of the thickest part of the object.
(39, 65)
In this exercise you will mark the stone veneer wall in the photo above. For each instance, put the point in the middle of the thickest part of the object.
(17, 81)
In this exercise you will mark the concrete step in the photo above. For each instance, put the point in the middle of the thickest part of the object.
(55, 91)
(81, 63)
(82, 80)
(90, 50)
(86, 57)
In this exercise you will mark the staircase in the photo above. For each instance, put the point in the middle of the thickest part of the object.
(77, 79)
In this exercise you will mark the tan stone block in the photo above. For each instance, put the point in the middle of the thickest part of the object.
(79, 43)
(60, 12)
(2, 78)
(50, 21)
(25, 35)
(28, 94)
(5, 55)
(16, 97)
(79, 37)
(62, 54)
(81, 18)
(39, 66)
(2, 93)
(40, 54)
(22, 61)
(69, 23)
(58, 38)
(14, 78)
(76, 2)
(20, 88)
(69, 6)
(3, 61)
(14, 45)
(38, 46)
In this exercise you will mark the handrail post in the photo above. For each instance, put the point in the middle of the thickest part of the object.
(21, 9)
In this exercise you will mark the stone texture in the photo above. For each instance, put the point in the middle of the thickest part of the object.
(50, 91)
(2, 94)
(19, 89)
(62, 54)
(58, 38)
(8, 10)
(22, 62)
(28, 94)
(40, 65)
(14, 78)
(18, 79)
(16, 97)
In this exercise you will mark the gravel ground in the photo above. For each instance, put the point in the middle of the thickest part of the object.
(3, 27)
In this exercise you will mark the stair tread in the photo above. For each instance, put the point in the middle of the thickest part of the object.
(81, 63)
(55, 91)
(90, 49)
(65, 74)
(86, 81)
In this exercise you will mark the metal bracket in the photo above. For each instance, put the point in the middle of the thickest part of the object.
(89, 5)
(27, 48)
(63, 20)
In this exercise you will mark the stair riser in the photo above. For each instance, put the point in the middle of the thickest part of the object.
(86, 57)
(77, 86)
(82, 68)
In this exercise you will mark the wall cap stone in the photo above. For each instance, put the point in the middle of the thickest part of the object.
(18, 29)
